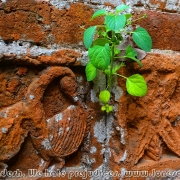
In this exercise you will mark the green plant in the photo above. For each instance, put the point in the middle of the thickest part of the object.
(108, 49)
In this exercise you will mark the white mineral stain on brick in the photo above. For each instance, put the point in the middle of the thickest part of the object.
(48, 120)
(71, 107)
(46, 144)
(93, 150)
(60, 131)
(117, 92)
(58, 117)
(31, 97)
(4, 130)
(5, 115)
(42, 162)
(59, 4)
(100, 131)
(173, 5)
(79, 79)
(51, 137)
(123, 172)
(122, 133)
(75, 99)
(24, 48)
(101, 176)
(51, 168)
(84, 58)
(114, 2)
(109, 127)
(176, 121)
(123, 158)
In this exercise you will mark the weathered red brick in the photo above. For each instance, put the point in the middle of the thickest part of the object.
(164, 28)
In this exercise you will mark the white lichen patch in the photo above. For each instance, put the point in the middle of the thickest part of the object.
(3, 114)
(51, 137)
(100, 131)
(42, 162)
(46, 144)
(60, 131)
(71, 107)
(58, 117)
(109, 127)
(173, 5)
(75, 99)
(176, 121)
(123, 172)
(93, 150)
(122, 132)
(31, 97)
(21, 48)
(51, 168)
(123, 158)
(84, 59)
(79, 79)
(4, 130)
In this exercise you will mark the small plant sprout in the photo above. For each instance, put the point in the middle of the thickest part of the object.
(110, 45)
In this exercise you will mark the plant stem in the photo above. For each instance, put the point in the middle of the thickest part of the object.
(111, 66)
(120, 75)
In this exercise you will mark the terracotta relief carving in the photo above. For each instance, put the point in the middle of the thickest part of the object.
(152, 122)
(53, 138)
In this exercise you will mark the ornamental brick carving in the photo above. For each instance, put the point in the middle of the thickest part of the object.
(53, 138)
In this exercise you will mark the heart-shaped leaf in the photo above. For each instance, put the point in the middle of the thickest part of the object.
(100, 56)
(132, 54)
(142, 39)
(101, 12)
(115, 23)
(101, 41)
(121, 8)
(88, 36)
(136, 85)
(91, 72)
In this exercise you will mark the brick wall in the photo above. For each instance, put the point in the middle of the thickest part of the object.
(40, 42)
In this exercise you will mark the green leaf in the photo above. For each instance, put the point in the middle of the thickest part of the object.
(107, 71)
(88, 36)
(109, 109)
(91, 72)
(103, 108)
(121, 8)
(100, 56)
(136, 85)
(104, 96)
(142, 39)
(98, 13)
(115, 23)
(116, 51)
(128, 16)
(101, 41)
(132, 54)
(117, 67)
